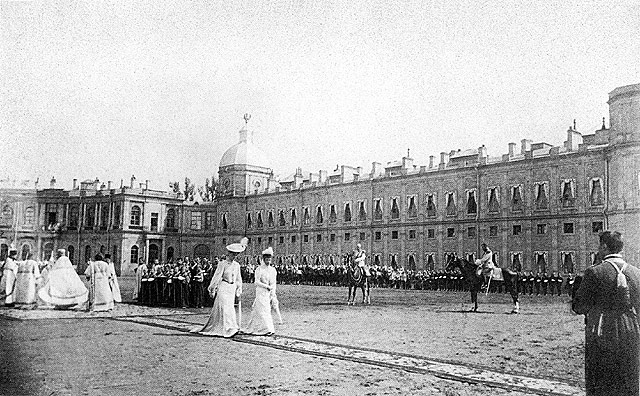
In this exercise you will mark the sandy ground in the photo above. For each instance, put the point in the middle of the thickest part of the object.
(91, 355)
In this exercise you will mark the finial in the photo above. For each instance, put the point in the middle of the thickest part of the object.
(574, 124)
(246, 117)
(603, 126)
(408, 156)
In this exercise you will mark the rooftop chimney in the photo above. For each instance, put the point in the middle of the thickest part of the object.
(432, 158)
(109, 185)
(525, 146)
(512, 149)
(75, 184)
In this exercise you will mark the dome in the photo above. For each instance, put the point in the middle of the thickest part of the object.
(244, 153)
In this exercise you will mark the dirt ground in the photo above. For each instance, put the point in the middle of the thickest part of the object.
(93, 355)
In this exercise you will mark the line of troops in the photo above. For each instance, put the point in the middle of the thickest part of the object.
(184, 283)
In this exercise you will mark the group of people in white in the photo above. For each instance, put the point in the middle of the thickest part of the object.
(23, 284)
(226, 289)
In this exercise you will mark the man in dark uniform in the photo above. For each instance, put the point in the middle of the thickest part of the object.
(538, 284)
(545, 283)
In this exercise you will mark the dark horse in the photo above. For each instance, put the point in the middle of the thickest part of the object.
(356, 278)
(474, 281)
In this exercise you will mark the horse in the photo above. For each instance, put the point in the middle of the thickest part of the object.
(474, 281)
(356, 278)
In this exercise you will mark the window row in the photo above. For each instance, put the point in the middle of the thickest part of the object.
(348, 213)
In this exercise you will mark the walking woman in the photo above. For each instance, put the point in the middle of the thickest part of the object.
(261, 321)
(225, 287)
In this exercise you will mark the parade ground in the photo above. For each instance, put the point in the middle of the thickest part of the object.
(407, 342)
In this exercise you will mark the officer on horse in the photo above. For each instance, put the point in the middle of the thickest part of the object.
(485, 265)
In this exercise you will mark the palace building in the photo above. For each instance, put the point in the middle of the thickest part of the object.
(539, 207)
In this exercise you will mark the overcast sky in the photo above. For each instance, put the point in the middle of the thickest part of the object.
(158, 89)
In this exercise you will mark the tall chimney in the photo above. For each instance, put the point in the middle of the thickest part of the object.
(525, 146)
(444, 158)
(432, 158)
(512, 149)
(75, 183)
(109, 185)
(146, 184)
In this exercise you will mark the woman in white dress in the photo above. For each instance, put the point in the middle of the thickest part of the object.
(225, 286)
(261, 321)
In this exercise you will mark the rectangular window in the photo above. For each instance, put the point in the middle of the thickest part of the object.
(412, 234)
(493, 231)
(431, 233)
(363, 236)
(542, 229)
(259, 240)
(154, 222)
(347, 236)
(332, 237)
(597, 227)
(517, 229)
(293, 239)
(451, 232)
(281, 240)
(196, 220)
(394, 234)
(378, 235)
(270, 241)
(568, 228)
(319, 238)
(306, 238)
(210, 222)
(471, 232)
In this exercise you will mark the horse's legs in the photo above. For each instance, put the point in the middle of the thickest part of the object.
(349, 298)
(368, 293)
(474, 298)
(514, 294)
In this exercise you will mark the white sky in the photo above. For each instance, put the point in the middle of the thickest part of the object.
(158, 89)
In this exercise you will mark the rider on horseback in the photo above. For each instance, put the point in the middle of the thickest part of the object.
(485, 265)
(359, 256)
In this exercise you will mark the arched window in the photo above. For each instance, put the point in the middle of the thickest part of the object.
(29, 215)
(90, 216)
(135, 215)
(7, 215)
(116, 215)
(134, 254)
(46, 251)
(104, 215)
(201, 251)
(26, 249)
(87, 253)
(4, 250)
(71, 253)
(74, 215)
(170, 253)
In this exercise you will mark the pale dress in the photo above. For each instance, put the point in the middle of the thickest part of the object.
(61, 285)
(101, 295)
(8, 282)
(261, 321)
(28, 274)
(226, 284)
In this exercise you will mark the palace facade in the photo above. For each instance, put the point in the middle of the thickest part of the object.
(539, 207)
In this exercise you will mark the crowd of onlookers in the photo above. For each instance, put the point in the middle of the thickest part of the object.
(183, 283)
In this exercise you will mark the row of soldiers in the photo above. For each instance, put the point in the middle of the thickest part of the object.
(399, 278)
(184, 283)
